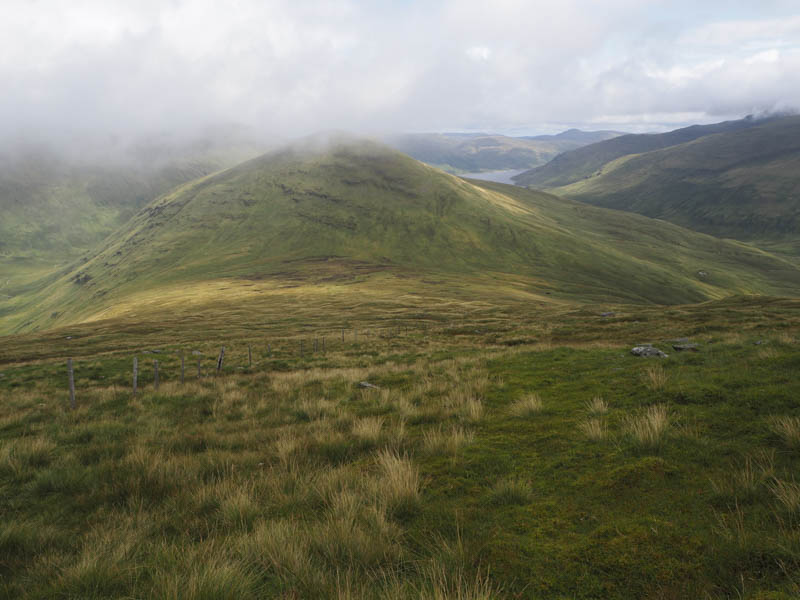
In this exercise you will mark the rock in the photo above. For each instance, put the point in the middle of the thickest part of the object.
(685, 347)
(702, 274)
(759, 342)
(69, 337)
(647, 350)
(608, 314)
(365, 384)
(197, 353)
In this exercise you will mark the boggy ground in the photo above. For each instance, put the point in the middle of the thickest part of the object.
(506, 452)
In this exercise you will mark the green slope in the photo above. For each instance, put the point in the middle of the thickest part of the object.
(56, 208)
(460, 153)
(360, 213)
(586, 161)
(743, 184)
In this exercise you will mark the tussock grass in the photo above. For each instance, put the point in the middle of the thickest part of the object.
(755, 472)
(597, 406)
(398, 487)
(788, 429)
(594, 428)
(439, 440)
(787, 493)
(369, 429)
(512, 490)
(527, 406)
(656, 377)
(649, 429)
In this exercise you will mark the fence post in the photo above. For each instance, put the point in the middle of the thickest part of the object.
(220, 359)
(135, 374)
(155, 375)
(183, 358)
(249, 356)
(71, 384)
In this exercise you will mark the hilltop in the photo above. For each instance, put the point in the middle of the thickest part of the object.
(356, 213)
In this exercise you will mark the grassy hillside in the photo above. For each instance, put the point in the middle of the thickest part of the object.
(587, 161)
(743, 184)
(56, 208)
(512, 450)
(360, 213)
(471, 153)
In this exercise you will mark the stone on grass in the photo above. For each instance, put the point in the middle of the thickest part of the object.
(647, 350)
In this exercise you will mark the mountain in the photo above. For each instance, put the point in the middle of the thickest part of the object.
(471, 153)
(579, 164)
(741, 183)
(576, 138)
(57, 206)
(335, 217)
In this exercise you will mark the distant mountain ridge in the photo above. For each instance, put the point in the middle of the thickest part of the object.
(580, 163)
(474, 152)
(739, 179)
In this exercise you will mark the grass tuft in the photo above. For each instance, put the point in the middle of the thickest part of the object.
(527, 406)
(649, 429)
(788, 429)
(595, 429)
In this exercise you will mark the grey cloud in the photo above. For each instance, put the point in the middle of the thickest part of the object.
(93, 69)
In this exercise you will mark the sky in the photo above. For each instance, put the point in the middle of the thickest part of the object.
(100, 69)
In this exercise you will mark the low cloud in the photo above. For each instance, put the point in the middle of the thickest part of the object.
(109, 70)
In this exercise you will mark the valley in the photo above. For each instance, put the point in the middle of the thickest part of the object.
(360, 376)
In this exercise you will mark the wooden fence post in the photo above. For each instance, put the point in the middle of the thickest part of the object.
(135, 374)
(183, 357)
(155, 375)
(249, 356)
(220, 359)
(71, 384)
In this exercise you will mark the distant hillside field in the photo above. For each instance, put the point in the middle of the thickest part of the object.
(578, 164)
(743, 183)
(358, 213)
(471, 153)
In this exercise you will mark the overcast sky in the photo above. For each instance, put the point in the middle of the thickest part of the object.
(291, 67)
